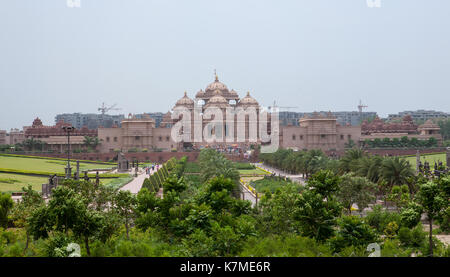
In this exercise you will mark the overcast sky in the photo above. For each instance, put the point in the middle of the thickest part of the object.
(142, 55)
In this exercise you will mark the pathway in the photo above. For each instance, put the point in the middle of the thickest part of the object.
(248, 195)
(136, 184)
(296, 178)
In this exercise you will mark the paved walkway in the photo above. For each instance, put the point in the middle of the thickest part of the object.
(248, 195)
(136, 184)
(296, 178)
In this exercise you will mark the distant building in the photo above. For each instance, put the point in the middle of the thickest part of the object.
(420, 115)
(16, 136)
(91, 121)
(55, 138)
(158, 117)
(378, 129)
(3, 137)
(344, 118)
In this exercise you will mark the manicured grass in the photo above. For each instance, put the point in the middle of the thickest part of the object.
(430, 158)
(33, 164)
(192, 167)
(15, 182)
(242, 165)
(272, 184)
(116, 182)
(256, 171)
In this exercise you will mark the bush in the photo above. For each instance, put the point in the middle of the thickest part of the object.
(379, 218)
(6, 204)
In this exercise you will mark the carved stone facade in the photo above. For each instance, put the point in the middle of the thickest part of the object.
(319, 132)
(378, 129)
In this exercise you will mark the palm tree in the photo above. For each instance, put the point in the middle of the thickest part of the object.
(396, 171)
(87, 141)
(349, 160)
(370, 167)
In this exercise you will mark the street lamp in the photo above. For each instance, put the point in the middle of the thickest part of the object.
(68, 130)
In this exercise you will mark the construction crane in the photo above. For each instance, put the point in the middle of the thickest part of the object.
(275, 106)
(104, 109)
(361, 106)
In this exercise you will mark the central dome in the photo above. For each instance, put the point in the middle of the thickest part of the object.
(216, 85)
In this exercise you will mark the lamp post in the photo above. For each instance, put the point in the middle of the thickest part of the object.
(68, 130)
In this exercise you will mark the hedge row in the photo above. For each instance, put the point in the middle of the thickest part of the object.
(157, 179)
(58, 159)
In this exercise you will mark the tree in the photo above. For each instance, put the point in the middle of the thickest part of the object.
(353, 231)
(396, 171)
(400, 196)
(316, 217)
(6, 204)
(410, 215)
(325, 183)
(355, 190)
(30, 201)
(69, 210)
(173, 183)
(431, 200)
(348, 161)
(125, 204)
(214, 164)
(278, 211)
(369, 167)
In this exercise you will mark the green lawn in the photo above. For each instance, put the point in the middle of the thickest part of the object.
(116, 182)
(256, 171)
(272, 184)
(430, 158)
(32, 164)
(15, 182)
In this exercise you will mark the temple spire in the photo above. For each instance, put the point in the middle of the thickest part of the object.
(215, 75)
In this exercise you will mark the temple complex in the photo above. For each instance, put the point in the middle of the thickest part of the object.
(407, 128)
(140, 134)
(54, 137)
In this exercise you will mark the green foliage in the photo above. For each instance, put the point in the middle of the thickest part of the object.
(286, 245)
(353, 231)
(355, 190)
(305, 162)
(278, 211)
(410, 215)
(400, 196)
(316, 217)
(174, 183)
(391, 229)
(273, 183)
(213, 163)
(396, 171)
(6, 204)
(379, 219)
(415, 237)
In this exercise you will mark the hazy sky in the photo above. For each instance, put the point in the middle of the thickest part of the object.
(142, 55)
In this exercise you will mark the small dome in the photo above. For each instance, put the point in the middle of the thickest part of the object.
(185, 101)
(248, 100)
(429, 125)
(37, 122)
(200, 94)
(217, 100)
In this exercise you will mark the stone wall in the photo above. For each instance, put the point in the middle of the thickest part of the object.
(158, 157)
(395, 152)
